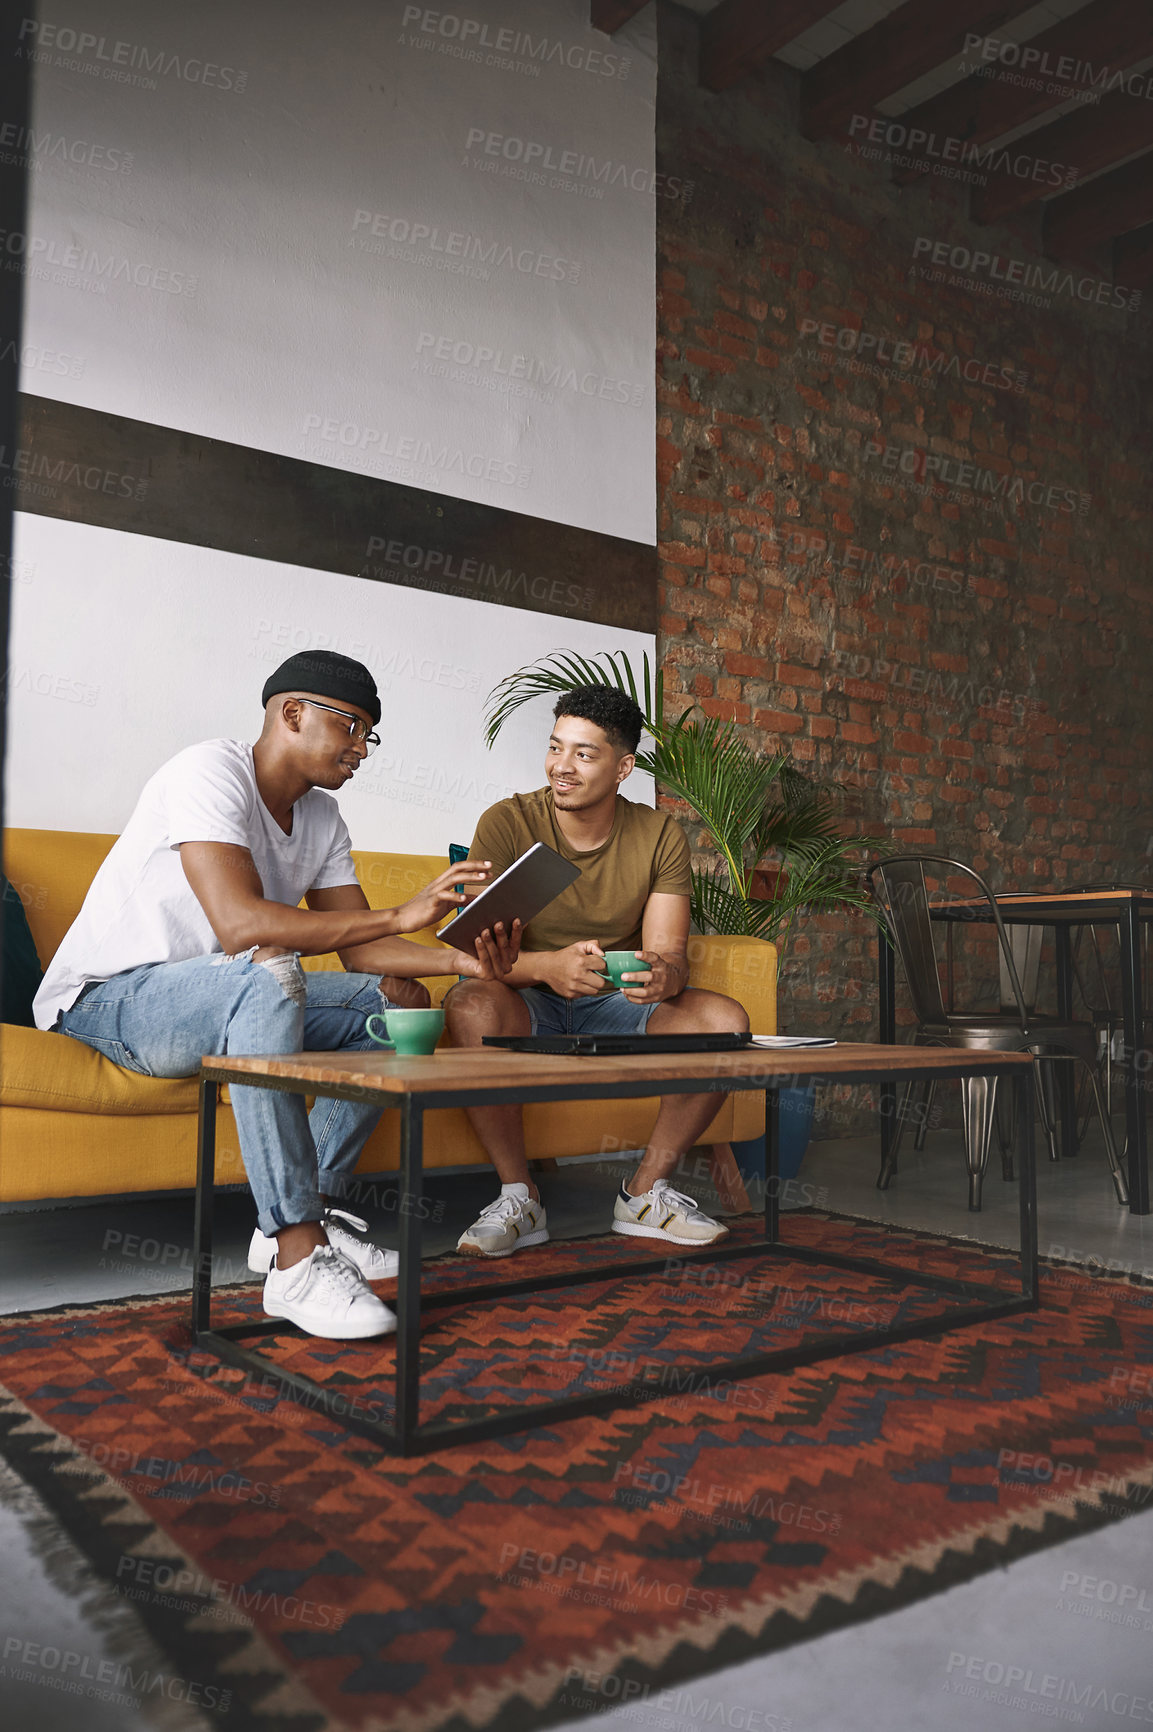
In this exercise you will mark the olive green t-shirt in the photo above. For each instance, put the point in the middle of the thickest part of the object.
(646, 853)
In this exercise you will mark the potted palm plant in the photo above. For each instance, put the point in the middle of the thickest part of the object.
(777, 844)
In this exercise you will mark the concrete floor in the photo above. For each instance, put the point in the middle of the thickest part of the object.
(1076, 1620)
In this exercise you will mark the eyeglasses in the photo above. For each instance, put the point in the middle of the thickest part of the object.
(358, 730)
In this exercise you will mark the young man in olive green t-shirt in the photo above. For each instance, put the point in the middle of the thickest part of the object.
(632, 894)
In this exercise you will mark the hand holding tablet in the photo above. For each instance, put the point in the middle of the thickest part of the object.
(519, 893)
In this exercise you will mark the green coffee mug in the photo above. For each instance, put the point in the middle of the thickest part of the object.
(618, 962)
(412, 1033)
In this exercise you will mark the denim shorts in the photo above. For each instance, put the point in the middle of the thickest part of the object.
(607, 1013)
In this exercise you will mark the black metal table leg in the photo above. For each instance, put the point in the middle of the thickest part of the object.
(887, 1010)
(772, 1165)
(408, 1277)
(1133, 1018)
(1066, 1081)
(202, 1220)
(1026, 1182)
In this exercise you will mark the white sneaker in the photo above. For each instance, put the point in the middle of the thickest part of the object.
(663, 1213)
(515, 1220)
(326, 1296)
(373, 1263)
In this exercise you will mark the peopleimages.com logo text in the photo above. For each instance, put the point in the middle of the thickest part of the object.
(539, 159)
(382, 235)
(122, 62)
(88, 268)
(510, 50)
(931, 468)
(1066, 69)
(475, 359)
(902, 356)
(23, 144)
(924, 149)
(1018, 278)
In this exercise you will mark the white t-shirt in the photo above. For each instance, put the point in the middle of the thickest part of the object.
(140, 907)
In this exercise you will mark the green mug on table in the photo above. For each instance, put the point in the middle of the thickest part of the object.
(411, 1033)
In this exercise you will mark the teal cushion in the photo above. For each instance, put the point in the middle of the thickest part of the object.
(20, 971)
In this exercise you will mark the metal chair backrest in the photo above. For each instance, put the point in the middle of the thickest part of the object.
(1025, 944)
(900, 891)
(902, 895)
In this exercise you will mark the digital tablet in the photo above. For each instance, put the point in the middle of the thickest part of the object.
(520, 893)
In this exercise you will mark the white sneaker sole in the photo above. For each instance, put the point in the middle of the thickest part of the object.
(635, 1232)
(363, 1332)
(469, 1250)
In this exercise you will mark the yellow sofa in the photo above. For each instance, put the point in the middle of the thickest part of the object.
(73, 1124)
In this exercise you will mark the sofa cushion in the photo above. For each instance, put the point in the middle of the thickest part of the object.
(52, 870)
(22, 974)
(52, 1070)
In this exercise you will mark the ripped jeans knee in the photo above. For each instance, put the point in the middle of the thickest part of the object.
(283, 965)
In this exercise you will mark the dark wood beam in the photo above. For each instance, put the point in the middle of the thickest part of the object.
(738, 36)
(609, 15)
(918, 37)
(1089, 140)
(1133, 259)
(1111, 34)
(1112, 205)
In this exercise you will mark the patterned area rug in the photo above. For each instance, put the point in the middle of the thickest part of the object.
(313, 1582)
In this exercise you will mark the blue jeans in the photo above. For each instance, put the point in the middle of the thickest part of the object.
(160, 1020)
(607, 1013)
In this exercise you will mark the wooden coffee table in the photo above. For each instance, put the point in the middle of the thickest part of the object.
(414, 1086)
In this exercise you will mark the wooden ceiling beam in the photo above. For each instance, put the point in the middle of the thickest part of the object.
(609, 15)
(1088, 141)
(1112, 205)
(1108, 35)
(1133, 259)
(738, 36)
(917, 38)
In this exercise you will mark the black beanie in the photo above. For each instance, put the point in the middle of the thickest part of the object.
(327, 675)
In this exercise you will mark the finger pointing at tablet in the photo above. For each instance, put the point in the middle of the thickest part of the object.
(444, 893)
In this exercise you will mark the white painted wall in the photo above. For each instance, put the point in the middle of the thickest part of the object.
(163, 644)
(206, 183)
(298, 264)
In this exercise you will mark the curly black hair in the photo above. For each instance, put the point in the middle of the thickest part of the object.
(621, 719)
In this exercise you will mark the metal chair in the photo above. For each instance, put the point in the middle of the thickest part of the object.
(1105, 1016)
(1025, 944)
(902, 896)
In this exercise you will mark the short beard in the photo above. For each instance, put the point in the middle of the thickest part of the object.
(576, 802)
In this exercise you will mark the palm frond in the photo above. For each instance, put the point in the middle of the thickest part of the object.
(798, 825)
(827, 878)
(709, 764)
(561, 670)
(715, 908)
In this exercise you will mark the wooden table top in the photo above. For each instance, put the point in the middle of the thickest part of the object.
(1043, 907)
(448, 1070)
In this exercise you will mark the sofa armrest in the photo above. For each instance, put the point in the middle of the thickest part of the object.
(742, 968)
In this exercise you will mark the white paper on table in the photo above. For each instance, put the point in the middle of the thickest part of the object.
(792, 1040)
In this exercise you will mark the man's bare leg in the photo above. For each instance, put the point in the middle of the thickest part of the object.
(473, 1009)
(683, 1118)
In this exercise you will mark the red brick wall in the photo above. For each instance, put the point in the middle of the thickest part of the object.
(971, 670)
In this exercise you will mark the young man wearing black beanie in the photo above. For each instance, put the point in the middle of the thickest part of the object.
(189, 941)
